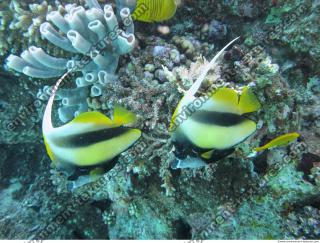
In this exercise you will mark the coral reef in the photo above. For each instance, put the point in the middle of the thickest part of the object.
(271, 195)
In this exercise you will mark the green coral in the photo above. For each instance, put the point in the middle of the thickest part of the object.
(295, 24)
(276, 14)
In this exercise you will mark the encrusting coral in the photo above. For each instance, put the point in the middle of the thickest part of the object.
(94, 38)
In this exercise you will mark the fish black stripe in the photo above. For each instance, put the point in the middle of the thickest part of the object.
(89, 138)
(217, 118)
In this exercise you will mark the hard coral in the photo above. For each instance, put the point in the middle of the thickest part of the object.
(94, 38)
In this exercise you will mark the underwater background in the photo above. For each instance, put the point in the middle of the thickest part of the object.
(268, 194)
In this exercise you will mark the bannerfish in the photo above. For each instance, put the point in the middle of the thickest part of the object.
(90, 139)
(279, 141)
(154, 10)
(216, 122)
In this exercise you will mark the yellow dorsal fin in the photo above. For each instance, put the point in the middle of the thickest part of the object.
(93, 117)
(122, 116)
(226, 95)
(248, 101)
(226, 99)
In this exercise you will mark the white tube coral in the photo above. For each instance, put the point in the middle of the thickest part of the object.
(91, 77)
(95, 14)
(93, 4)
(27, 56)
(66, 113)
(81, 82)
(37, 64)
(77, 20)
(105, 78)
(79, 42)
(124, 43)
(110, 18)
(96, 90)
(103, 61)
(93, 33)
(41, 73)
(48, 32)
(97, 27)
(58, 20)
(127, 20)
(47, 60)
(16, 63)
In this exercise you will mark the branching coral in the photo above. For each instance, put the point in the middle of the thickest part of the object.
(96, 41)
(21, 20)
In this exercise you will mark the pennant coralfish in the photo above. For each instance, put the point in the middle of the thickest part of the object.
(219, 123)
(154, 10)
(90, 139)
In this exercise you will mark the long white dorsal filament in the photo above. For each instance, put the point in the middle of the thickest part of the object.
(47, 122)
(196, 85)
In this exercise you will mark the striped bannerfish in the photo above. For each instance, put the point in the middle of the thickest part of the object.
(219, 122)
(90, 139)
(154, 10)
